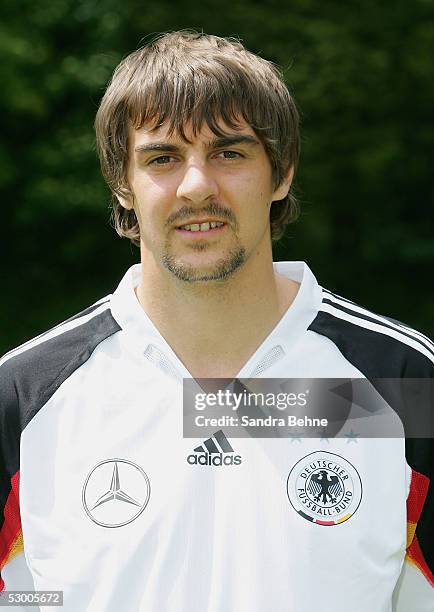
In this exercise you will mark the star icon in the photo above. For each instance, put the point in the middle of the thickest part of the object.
(295, 437)
(115, 492)
(352, 436)
(323, 436)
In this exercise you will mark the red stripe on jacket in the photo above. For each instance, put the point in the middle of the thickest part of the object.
(11, 527)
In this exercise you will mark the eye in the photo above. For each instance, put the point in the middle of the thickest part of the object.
(230, 155)
(161, 161)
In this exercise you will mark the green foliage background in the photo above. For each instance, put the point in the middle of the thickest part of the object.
(361, 74)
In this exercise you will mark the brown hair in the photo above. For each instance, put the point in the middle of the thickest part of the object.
(189, 76)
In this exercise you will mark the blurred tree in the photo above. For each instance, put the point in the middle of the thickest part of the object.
(361, 74)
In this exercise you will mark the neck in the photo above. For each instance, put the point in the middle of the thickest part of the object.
(214, 327)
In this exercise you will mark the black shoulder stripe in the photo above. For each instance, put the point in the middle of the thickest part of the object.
(335, 295)
(88, 310)
(375, 355)
(39, 371)
(83, 313)
(30, 378)
(365, 317)
(383, 318)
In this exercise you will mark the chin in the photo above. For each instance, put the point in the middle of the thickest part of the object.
(220, 270)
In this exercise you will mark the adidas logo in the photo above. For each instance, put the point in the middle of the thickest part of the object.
(214, 451)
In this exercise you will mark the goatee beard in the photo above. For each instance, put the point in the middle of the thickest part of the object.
(222, 270)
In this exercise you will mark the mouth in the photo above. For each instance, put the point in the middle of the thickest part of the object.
(201, 228)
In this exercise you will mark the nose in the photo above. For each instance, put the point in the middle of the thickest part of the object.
(197, 184)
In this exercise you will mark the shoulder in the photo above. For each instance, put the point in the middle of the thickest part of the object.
(376, 344)
(31, 373)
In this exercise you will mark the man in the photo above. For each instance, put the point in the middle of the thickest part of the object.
(102, 497)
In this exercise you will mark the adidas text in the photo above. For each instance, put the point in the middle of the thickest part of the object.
(214, 459)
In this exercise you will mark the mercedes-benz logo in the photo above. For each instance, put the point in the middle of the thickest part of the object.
(112, 504)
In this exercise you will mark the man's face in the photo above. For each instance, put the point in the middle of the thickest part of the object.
(203, 208)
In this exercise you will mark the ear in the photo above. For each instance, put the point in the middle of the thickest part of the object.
(283, 189)
(126, 201)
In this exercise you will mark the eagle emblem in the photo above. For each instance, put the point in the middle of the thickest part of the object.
(324, 488)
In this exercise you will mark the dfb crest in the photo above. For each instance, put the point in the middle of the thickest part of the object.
(324, 488)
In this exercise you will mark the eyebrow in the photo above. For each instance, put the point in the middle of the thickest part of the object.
(217, 143)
